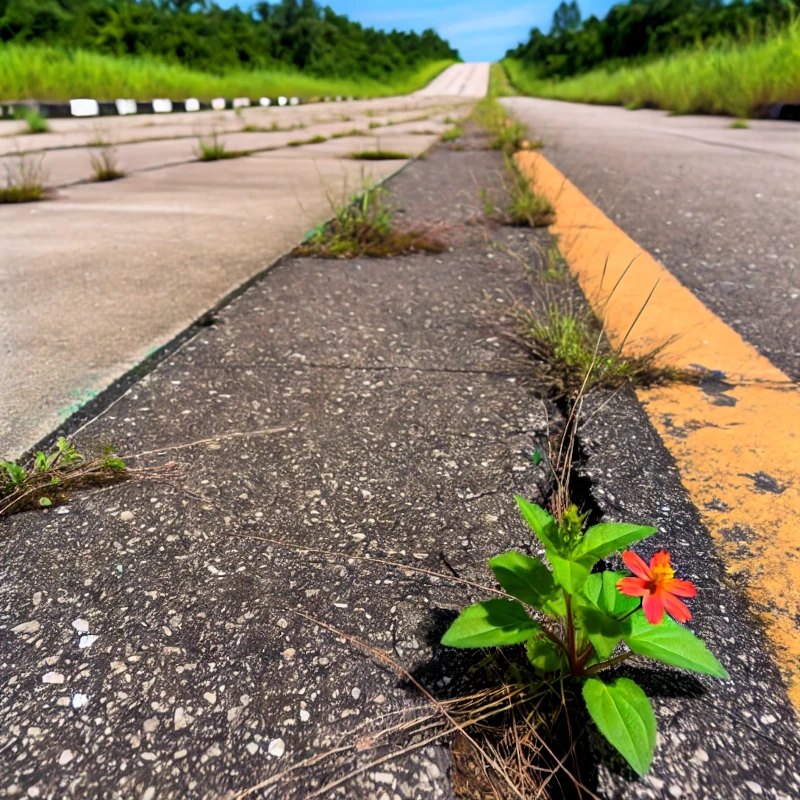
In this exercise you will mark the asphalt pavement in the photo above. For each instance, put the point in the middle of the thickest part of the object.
(97, 278)
(719, 207)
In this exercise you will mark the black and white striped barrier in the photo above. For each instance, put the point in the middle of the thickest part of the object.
(87, 107)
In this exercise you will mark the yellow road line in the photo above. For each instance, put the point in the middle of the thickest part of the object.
(736, 444)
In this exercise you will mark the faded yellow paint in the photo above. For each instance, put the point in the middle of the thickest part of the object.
(737, 447)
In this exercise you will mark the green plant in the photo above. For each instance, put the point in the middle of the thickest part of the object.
(104, 165)
(362, 226)
(525, 206)
(556, 267)
(581, 619)
(35, 121)
(488, 206)
(374, 125)
(507, 134)
(379, 155)
(739, 123)
(52, 474)
(499, 84)
(213, 149)
(452, 133)
(344, 134)
(313, 140)
(24, 181)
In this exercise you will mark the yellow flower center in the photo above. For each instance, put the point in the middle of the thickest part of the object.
(662, 573)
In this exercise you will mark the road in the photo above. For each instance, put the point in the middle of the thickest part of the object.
(101, 275)
(718, 206)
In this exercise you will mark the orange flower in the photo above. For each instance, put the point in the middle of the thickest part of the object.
(658, 587)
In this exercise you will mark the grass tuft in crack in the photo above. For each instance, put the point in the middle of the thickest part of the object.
(452, 134)
(104, 165)
(24, 182)
(525, 206)
(312, 140)
(379, 155)
(35, 121)
(213, 149)
(46, 481)
(362, 226)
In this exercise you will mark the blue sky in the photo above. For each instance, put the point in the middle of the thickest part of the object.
(480, 30)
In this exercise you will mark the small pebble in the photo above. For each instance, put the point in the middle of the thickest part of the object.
(80, 625)
(276, 748)
(86, 641)
(79, 700)
(65, 757)
(126, 516)
(52, 677)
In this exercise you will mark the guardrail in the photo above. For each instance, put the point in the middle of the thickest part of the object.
(88, 107)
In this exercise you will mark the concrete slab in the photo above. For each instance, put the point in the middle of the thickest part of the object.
(130, 264)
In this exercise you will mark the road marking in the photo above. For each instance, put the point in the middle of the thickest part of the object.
(734, 438)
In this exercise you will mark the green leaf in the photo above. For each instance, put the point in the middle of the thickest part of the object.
(542, 523)
(603, 632)
(544, 655)
(608, 537)
(570, 573)
(45, 501)
(601, 591)
(623, 715)
(671, 643)
(529, 580)
(492, 623)
(40, 461)
(16, 474)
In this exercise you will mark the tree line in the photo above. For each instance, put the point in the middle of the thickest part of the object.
(291, 33)
(644, 28)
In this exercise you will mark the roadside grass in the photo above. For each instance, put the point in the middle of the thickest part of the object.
(452, 134)
(525, 207)
(54, 73)
(374, 125)
(739, 124)
(732, 78)
(213, 149)
(24, 181)
(45, 481)
(363, 226)
(33, 119)
(379, 155)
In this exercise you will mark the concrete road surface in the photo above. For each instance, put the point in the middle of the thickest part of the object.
(463, 80)
(718, 206)
(100, 276)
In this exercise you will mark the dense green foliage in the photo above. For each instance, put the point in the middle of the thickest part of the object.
(729, 78)
(291, 34)
(645, 30)
(53, 73)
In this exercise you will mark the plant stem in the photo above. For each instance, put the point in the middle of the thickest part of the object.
(610, 663)
(573, 662)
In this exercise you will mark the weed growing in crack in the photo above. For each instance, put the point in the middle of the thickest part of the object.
(452, 134)
(489, 208)
(104, 165)
(525, 206)
(345, 134)
(24, 181)
(556, 267)
(740, 124)
(379, 155)
(580, 620)
(362, 226)
(51, 475)
(312, 140)
(33, 119)
(213, 149)
(572, 349)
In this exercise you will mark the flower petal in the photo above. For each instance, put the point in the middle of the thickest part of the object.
(680, 588)
(636, 565)
(676, 608)
(660, 559)
(633, 587)
(653, 605)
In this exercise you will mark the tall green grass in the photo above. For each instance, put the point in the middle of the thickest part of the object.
(51, 73)
(732, 78)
